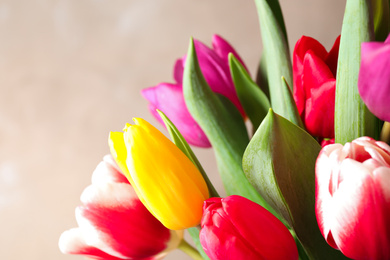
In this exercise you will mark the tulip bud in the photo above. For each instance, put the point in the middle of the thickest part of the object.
(166, 181)
(314, 71)
(353, 197)
(237, 228)
(114, 224)
(169, 98)
(374, 77)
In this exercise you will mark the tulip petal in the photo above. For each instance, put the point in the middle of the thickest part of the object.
(219, 244)
(119, 152)
(319, 110)
(305, 44)
(219, 237)
(237, 228)
(215, 71)
(265, 223)
(356, 205)
(382, 178)
(108, 171)
(107, 209)
(324, 166)
(164, 183)
(374, 78)
(223, 48)
(315, 72)
(72, 242)
(301, 47)
(332, 57)
(169, 99)
(178, 70)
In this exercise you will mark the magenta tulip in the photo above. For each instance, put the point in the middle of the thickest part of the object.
(114, 224)
(237, 228)
(374, 77)
(169, 98)
(353, 198)
(314, 73)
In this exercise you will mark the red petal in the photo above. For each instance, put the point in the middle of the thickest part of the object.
(319, 111)
(332, 57)
(303, 45)
(72, 242)
(117, 223)
(358, 214)
(260, 229)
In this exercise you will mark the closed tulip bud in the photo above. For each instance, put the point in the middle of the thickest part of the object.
(169, 98)
(353, 198)
(374, 77)
(237, 228)
(166, 181)
(114, 224)
(314, 72)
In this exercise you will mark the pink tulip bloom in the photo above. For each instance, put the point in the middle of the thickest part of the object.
(314, 75)
(169, 98)
(353, 198)
(374, 77)
(114, 224)
(237, 228)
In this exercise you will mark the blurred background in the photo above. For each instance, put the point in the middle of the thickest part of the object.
(71, 71)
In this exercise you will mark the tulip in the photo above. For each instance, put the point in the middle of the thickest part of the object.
(166, 181)
(114, 224)
(314, 75)
(169, 98)
(237, 228)
(374, 77)
(353, 197)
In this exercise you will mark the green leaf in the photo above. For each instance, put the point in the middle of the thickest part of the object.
(261, 77)
(182, 144)
(223, 125)
(352, 118)
(253, 100)
(381, 19)
(293, 114)
(280, 163)
(276, 53)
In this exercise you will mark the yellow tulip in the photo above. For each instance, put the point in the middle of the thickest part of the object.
(165, 180)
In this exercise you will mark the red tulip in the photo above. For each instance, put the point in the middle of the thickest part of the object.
(374, 77)
(353, 198)
(169, 98)
(314, 72)
(237, 228)
(114, 224)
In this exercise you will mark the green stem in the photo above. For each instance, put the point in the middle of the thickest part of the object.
(189, 250)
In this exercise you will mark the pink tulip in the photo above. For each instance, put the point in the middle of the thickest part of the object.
(237, 228)
(374, 77)
(169, 98)
(314, 73)
(114, 224)
(353, 198)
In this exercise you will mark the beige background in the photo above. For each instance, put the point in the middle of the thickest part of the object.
(71, 71)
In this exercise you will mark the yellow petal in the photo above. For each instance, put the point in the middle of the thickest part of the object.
(118, 151)
(171, 186)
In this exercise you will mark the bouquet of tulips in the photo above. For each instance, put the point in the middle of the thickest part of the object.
(309, 180)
